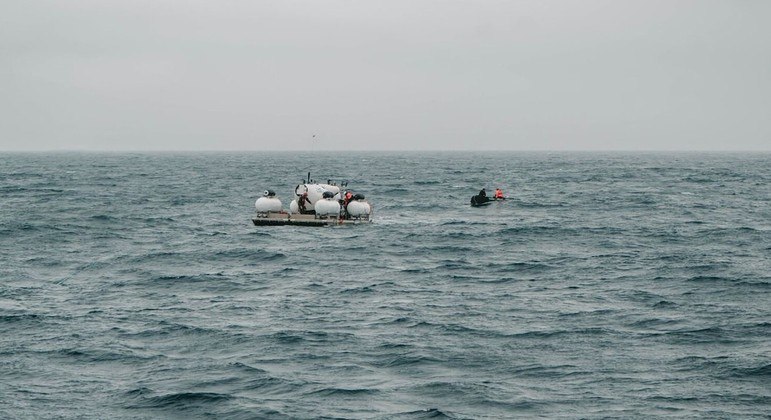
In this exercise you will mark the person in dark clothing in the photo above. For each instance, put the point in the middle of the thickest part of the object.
(301, 200)
(480, 198)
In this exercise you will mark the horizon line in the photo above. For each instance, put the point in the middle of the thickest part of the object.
(386, 151)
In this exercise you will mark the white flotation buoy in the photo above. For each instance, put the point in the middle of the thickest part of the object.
(268, 203)
(294, 208)
(358, 209)
(328, 206)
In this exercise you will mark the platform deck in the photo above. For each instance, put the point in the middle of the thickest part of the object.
(284, 219)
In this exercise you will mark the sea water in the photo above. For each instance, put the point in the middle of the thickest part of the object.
(633, 285)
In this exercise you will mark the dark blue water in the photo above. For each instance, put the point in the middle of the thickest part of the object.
(609, 285)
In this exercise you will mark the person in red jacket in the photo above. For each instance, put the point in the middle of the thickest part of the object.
(499, 194)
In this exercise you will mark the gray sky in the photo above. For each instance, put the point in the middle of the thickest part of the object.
(385, 75)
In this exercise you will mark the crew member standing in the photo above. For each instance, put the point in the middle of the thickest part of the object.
(301, 200)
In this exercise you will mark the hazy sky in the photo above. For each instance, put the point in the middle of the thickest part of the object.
(385, 75)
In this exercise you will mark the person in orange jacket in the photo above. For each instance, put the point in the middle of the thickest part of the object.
(499, 194)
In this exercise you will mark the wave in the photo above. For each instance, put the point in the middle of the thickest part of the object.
(185, 278)
(463, 223)
(14, 319)
(414, 270)
(711, 279)
(166, 330)
(405, 360)
(395, 192)
(360, 289)
(664, 304)
(559, 333)
(536, 205)
(700, 180)
(105, 218)
(762, 372)
(342, 392)
(251, 255)
(293, 336)
(183, 400)
(270, 385)
(97, 355)
(723, 367)
(655, 323)
(15, 228)
(714, 335)
(428, 413)
(500, 280)
(247, 256)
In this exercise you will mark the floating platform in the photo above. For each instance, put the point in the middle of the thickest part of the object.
(296, 219)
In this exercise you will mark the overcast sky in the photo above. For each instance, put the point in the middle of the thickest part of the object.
(385, 75)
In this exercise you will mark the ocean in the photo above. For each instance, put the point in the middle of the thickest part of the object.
(626, 285)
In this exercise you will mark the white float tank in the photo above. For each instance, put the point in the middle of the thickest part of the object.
(294, 208)
(359, 209)
(268, 203)
(327, 206)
